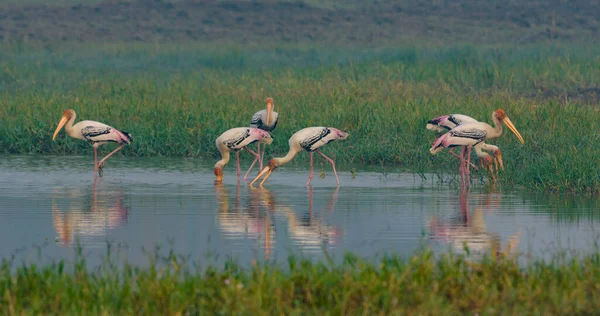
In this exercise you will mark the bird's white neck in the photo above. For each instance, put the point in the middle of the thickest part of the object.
(287, 158)
(224, 159)
(497, 132)
(69, 126)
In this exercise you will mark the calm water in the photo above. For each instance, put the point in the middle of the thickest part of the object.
(48, 204)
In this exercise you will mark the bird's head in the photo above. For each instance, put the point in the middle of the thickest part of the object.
(266, 172)
(266, 138)
(218, 174)
(503, 118)
(270, 107)
(67, 115)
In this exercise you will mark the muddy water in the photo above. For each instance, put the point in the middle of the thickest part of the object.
(49, 205)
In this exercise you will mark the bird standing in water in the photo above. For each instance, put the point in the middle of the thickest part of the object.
(267, 121)
(237, 139)
(95, 133)
(309, 139)
(472, 134)
(445, 123)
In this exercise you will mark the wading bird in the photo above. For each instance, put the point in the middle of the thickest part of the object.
(93, 132)
(447, 122)
(309, 139)
(472, 134)
(235, 140)
(267, 121)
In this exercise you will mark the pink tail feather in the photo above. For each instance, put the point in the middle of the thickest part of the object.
(438, 145)
(123, 137)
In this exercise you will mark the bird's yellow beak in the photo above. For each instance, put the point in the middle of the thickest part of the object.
(265, 172)
(269, 110)
(513, 129)
(61, 123)
(498, 161)
(218, 175)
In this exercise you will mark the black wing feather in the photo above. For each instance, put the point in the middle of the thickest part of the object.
(307, 143)
(473, 133)
(89, 132)
(232, 143)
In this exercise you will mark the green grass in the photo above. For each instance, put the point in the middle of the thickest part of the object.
(421, 284)
(176, 100)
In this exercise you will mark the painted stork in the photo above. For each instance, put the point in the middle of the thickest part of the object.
(472, 134)
(93, 132)
(309, 139)
(237, 139)
(447, 122)
(267, 121)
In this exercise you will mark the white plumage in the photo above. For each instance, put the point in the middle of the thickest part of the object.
(309, 139)
(445, 123)
(93, 132)
(266, 120)
(237, 139)
(474, 134)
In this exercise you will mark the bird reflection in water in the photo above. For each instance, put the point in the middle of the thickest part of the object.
(252, 221)
(256, 219)
(88, 214)
(470, 231)
(311, 232)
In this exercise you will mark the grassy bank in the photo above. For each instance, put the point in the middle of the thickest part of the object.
(422, 284)
(176, 100)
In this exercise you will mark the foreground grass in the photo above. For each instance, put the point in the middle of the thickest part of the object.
(422, 284)
(177, 100)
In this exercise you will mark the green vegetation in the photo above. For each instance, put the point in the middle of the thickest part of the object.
(378, 70)
(422, 284)
(177, 100)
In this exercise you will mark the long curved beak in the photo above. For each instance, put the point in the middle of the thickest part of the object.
(513, 129)
(269, 111)
(62, 123)
(265, 172)
(498, 161)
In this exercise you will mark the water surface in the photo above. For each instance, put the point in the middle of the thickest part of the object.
(48, 205)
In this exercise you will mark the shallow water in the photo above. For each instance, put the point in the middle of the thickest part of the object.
(50, 204)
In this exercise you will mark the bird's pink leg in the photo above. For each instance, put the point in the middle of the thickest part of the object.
(262, 155)
(259, 158)
(468, 167)
(451, 152)
(256, 157)
(332, 165)
(107, 156)
(237, 159)
(310, 175)
(461, 169)
(95, 159)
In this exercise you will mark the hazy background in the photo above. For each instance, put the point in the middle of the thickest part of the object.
(349, 22)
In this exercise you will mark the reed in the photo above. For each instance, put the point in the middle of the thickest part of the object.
(175, 100)
(422, 284)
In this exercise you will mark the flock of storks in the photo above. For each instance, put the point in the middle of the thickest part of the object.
(461, 130)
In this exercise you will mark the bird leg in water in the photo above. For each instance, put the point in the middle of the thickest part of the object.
(332, 165)
(457, 156)
(101, 163)
(310, 174)
(461, 169)
(257, 157)
(237, 159)
(468, 167)
(95, 160)
(262, 156)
